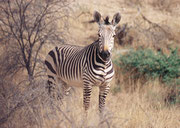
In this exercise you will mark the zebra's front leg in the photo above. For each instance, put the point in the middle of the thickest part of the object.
(103, 91)
(86, 95)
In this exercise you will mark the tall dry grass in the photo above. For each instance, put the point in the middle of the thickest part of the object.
(143, 108)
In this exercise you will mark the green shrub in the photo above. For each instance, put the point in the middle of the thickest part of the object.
(151, 65)
(145, 64)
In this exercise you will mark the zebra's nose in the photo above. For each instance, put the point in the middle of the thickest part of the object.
(105, 54)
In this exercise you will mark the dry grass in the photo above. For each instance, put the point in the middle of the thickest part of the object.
(143, 108)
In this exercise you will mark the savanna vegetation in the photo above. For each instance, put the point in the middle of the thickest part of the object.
(145, 91)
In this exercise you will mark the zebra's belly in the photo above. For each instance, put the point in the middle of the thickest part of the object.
(76, 83)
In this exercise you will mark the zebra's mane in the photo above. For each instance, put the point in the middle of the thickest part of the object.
(106, 20)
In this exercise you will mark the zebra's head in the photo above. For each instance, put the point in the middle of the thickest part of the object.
(106, 31)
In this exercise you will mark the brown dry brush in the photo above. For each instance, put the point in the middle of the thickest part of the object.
(32, 107)
(25, 26)
(20, 108)
(145, 33)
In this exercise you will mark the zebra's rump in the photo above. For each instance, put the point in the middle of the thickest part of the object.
(65, 62)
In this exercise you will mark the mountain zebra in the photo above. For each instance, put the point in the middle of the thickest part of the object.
(85, 66)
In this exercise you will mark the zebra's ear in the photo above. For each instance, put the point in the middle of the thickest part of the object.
(116, 19)
(97, 17)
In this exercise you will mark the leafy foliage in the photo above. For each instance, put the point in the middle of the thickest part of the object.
(151, 65)
(145, 64)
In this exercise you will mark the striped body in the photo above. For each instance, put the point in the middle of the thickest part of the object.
(73, 63)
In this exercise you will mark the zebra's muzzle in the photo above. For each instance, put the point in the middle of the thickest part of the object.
(105, 55)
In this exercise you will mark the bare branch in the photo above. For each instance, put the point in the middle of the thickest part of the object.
(29, 25)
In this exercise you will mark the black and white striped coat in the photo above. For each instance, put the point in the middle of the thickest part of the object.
(85, 66)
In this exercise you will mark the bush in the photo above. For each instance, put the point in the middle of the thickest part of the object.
(151, 65)
(144, 65)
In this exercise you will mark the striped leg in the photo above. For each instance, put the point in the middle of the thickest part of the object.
(51, 84)
(86, 95)
(103, 91)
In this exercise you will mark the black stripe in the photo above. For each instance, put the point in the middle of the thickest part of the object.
(49, 82)
(71, 66)
(67, 67)
(51, 53)
(93, 61)
(58, 55)
(63, 63)
(76, 66)
(50, 67)
(51, 77)
(90, 66)
(89, 79)
(98, 59)
(109, 78)
(80, 62)
(87, 93)
(88, 55)
(67, 63)
(62, 53)
(111, 71)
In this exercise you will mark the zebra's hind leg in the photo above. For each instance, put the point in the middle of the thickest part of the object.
(66, 88)
(52, 88)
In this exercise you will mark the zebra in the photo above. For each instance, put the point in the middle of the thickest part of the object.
(85, 66)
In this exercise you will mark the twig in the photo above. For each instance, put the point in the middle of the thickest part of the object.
(66, 117)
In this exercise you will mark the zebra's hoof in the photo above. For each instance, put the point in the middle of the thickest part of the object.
(67, 93)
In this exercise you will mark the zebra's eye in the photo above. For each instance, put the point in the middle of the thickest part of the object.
(114, 35)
